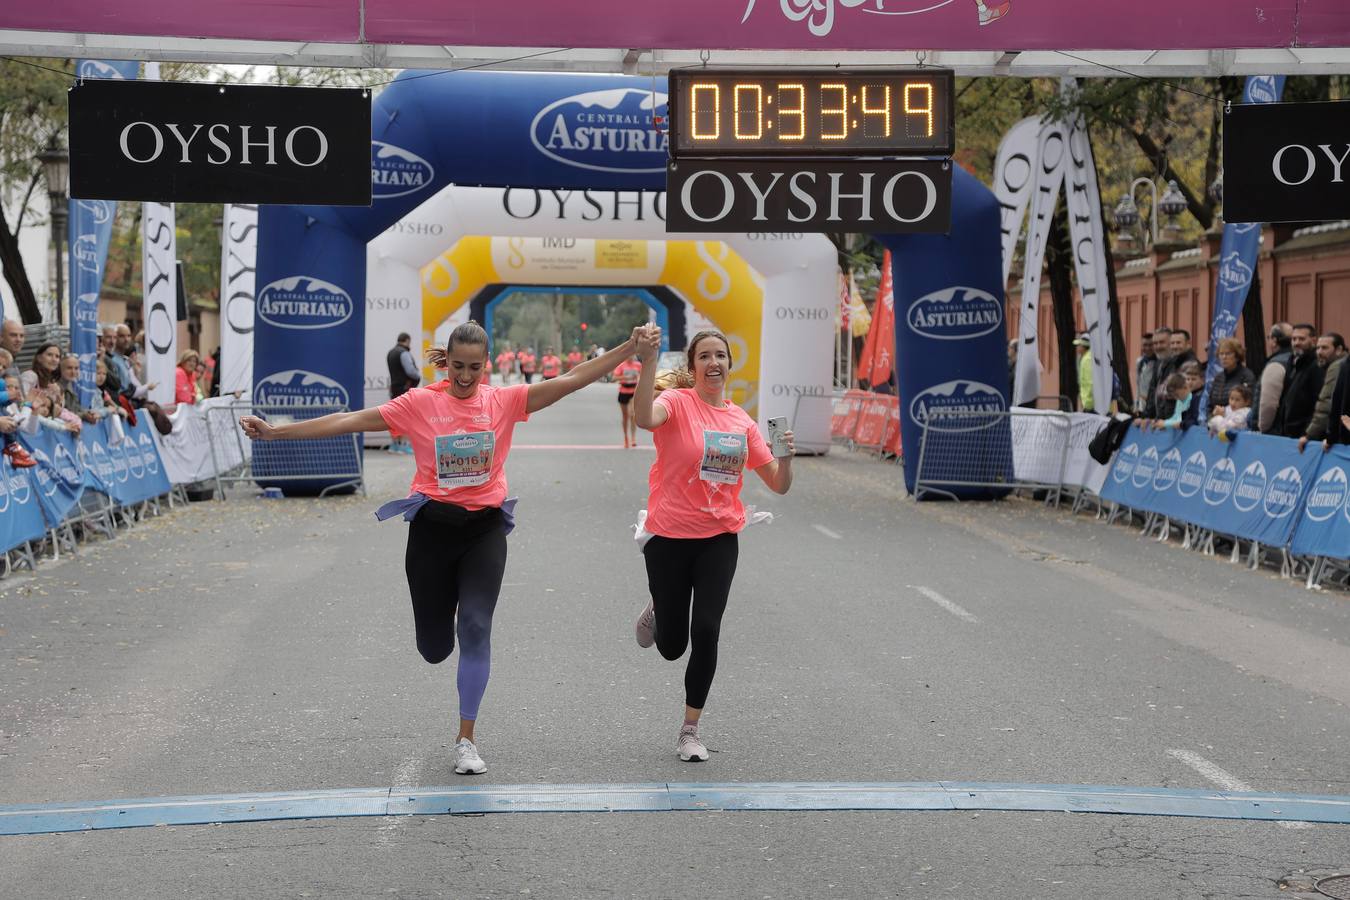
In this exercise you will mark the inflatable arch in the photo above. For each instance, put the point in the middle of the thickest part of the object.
(585, 161)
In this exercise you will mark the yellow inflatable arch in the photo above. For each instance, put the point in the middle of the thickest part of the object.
(711, 276)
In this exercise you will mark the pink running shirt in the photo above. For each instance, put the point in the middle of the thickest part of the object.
(701, 457)
(474, 472)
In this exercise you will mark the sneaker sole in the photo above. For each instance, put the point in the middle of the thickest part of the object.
(692, 758)
(459, 771)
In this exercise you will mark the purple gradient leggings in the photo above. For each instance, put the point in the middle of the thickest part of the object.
(455, 560)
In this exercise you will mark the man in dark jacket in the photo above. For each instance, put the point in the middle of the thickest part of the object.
(1179, 353)
(1145, 372)
(1302, 384)
(403, 377)
(1162, 349)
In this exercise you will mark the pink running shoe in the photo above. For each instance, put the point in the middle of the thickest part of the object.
(646, 627)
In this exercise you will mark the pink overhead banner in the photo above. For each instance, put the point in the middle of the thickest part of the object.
(719, 24)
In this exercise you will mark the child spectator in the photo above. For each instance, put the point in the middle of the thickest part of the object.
(1232, 418)
(1176, 388)
(59, 411)
(38, 414)
(1195, 383)
(12, 448)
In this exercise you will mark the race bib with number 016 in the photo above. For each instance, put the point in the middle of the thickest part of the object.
(464, 460)
(724, 455)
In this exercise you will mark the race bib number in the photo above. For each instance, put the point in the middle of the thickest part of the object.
(724, 456)
(464, 460)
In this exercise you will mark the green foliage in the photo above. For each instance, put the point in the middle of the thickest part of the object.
(542, 320)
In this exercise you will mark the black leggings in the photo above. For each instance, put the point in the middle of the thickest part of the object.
(680, 570)
(455, 562)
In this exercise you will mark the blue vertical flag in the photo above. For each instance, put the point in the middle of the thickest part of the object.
(90, 233)
(1237, 258)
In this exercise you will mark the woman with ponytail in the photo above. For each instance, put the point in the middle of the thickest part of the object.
(460, 430)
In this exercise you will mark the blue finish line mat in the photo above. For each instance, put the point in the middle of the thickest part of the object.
(574, 798)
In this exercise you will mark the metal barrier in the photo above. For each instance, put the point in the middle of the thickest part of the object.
(973, 449)
(235, 459)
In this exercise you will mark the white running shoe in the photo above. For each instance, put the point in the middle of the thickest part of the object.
(690, 748)
(467, 760)
(646, 626)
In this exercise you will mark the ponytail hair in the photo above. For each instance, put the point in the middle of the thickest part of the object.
(674, 378)
(468, 333)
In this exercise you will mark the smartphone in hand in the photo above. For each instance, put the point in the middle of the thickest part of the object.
(777, 443)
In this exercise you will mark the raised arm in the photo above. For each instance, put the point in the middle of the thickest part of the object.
(546, 393)
(368, 419)
(645, 411)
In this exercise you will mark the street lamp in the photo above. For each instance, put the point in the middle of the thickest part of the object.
(1172, 204)
(1127, 214)
(55, 161)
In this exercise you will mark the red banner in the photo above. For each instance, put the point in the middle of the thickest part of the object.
(878, 353)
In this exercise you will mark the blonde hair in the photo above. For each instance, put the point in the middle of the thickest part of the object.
(674, 378)
(188, 354)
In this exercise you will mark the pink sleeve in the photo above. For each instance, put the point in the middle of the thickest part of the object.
(515, 400)
(671, 401)
(759, 453)
(398, 413)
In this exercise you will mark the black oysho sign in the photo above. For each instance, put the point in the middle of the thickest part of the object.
(1286, 162)
(203, 143)
(876, 196)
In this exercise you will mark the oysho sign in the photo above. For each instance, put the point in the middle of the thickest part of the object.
(1286, 162)
(301, 301)
(177, 141)
(878, 196)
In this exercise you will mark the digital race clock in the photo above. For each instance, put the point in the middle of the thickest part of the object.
(811, 112)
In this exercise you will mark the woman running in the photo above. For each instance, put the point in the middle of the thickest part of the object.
(461, 432)
(626, 373)
(694, 512)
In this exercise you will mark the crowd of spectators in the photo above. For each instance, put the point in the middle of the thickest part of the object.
(1302, 391)
(46, 395)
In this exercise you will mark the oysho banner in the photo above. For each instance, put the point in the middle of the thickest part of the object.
(238, 268)
(1014, 174)
(208, 143)
(160, 299)
(1051, 153)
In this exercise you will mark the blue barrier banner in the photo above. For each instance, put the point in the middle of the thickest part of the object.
(20, 514)
(1130, 482)
(1271, 479)
(1324, 526)
(146, 475)
(90, 231)
(94, 459)
(58, 476)
(1237, 259)
(1181, 472)
(949, 331)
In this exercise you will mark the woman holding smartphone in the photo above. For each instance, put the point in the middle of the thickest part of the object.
(461, 431)
(703, 445)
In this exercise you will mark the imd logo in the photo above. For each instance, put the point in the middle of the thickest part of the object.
(395, 172)
(1169, 468)
(953, 406)
(303, 302)
(1193, 473)
(1251, 486)
(955, 313)
(604, 131)
(1327, 495)
(1219, 485)
(299, 388)
(1148, 464)
(1126, 460)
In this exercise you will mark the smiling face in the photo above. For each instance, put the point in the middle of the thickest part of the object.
(466, 364)
(48, 360)
(710, 361)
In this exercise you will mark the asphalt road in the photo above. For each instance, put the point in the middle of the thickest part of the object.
(260, 645)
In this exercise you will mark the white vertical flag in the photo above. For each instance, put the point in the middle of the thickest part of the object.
(238, 268)
(1089, 253)
(1051, 151)
(159, 299)
(1014, 172)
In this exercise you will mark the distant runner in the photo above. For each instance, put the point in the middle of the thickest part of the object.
(626, 374)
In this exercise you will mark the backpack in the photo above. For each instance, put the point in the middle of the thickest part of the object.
(1108, 440)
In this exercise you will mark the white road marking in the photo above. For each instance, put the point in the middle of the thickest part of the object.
(946, 604)
(405, 778)
(827, 532)
(1222, 778)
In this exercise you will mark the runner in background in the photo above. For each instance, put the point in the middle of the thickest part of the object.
(703, 446)
(574, 358)
(506, 361)
(528, 364)
(461, 433)
(626, 374)
(550, 366)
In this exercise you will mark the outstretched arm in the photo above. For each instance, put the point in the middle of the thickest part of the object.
(645, 411)
(546, 393)
(324, 426)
